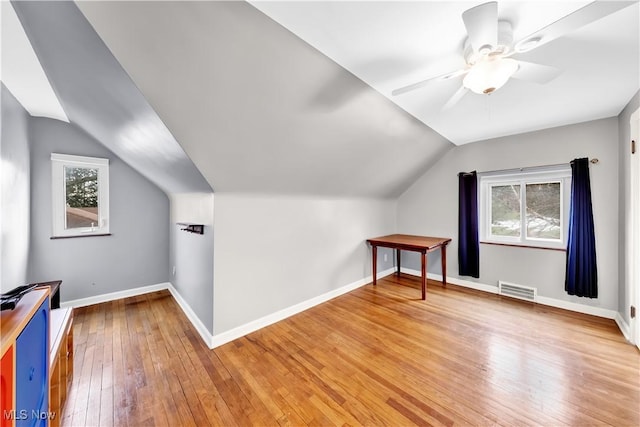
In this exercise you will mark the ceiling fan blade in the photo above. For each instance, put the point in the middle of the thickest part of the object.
(537, 73)
(581, 17)
(455, 98)
(423, 83)
(482, 26)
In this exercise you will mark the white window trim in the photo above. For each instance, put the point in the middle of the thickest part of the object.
(58, 190)
(560, 174)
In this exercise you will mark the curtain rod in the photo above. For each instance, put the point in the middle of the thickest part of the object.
(594, 161)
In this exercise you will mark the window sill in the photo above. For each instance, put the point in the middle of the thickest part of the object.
(546, 248)
(79, 235)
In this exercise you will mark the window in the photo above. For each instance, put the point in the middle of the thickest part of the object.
(525, 208)
(80, 195)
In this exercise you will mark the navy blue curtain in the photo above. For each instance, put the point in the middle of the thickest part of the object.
(468, 245)
(582, 273)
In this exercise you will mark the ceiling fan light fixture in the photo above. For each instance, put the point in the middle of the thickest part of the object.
(485, 50)
(527, 44)
(490, 74)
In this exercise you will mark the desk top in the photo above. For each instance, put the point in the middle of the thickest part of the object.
(408, 242)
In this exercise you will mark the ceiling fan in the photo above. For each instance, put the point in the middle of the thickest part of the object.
(489, 49)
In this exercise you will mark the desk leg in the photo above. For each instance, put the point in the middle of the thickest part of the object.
(443, 250)
(424, 274)
(374, 254)
(398, 262)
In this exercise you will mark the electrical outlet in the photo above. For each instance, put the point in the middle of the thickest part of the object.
(385, 257)
(174, 270)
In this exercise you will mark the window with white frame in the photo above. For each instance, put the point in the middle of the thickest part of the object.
(527, 208)
(80, 195)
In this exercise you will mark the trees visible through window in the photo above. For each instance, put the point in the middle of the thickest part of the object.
(505, 210)
(81, 185)
(525, 208)
(544, 208)
(80, 195)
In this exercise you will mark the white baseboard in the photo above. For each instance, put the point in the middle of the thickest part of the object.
(247, 328)
(464, 283)
(191, 315)
(453, 281)
(624, 327)
(579, 308)
(213, 341)
(552, 302)
(83, 302)
(197, 323)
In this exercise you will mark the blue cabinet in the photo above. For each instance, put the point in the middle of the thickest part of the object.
(32, 370)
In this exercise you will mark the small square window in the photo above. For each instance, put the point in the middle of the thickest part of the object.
(80, 195)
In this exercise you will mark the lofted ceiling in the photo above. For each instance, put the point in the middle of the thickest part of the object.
(295, 97)
(391, 44)
(259, 110)
(20, 69)
(99, 97)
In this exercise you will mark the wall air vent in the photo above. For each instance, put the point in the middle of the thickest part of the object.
(512, 290)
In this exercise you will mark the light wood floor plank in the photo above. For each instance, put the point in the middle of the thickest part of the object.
(375, 356)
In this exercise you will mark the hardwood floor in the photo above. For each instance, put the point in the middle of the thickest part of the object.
(375, 356)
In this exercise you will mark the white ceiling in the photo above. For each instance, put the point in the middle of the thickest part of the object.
(99, 97)
(20, 69)
(393, 44)
(256, 108)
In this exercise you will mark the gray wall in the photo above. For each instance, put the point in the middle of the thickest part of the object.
(256, 108)
(624, 132)
(137, 253)
(192, 254)
(272, 252)
(98, 96)
(430, 207)
(14, 192)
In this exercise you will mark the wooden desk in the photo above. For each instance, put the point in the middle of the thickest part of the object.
(407, 242)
